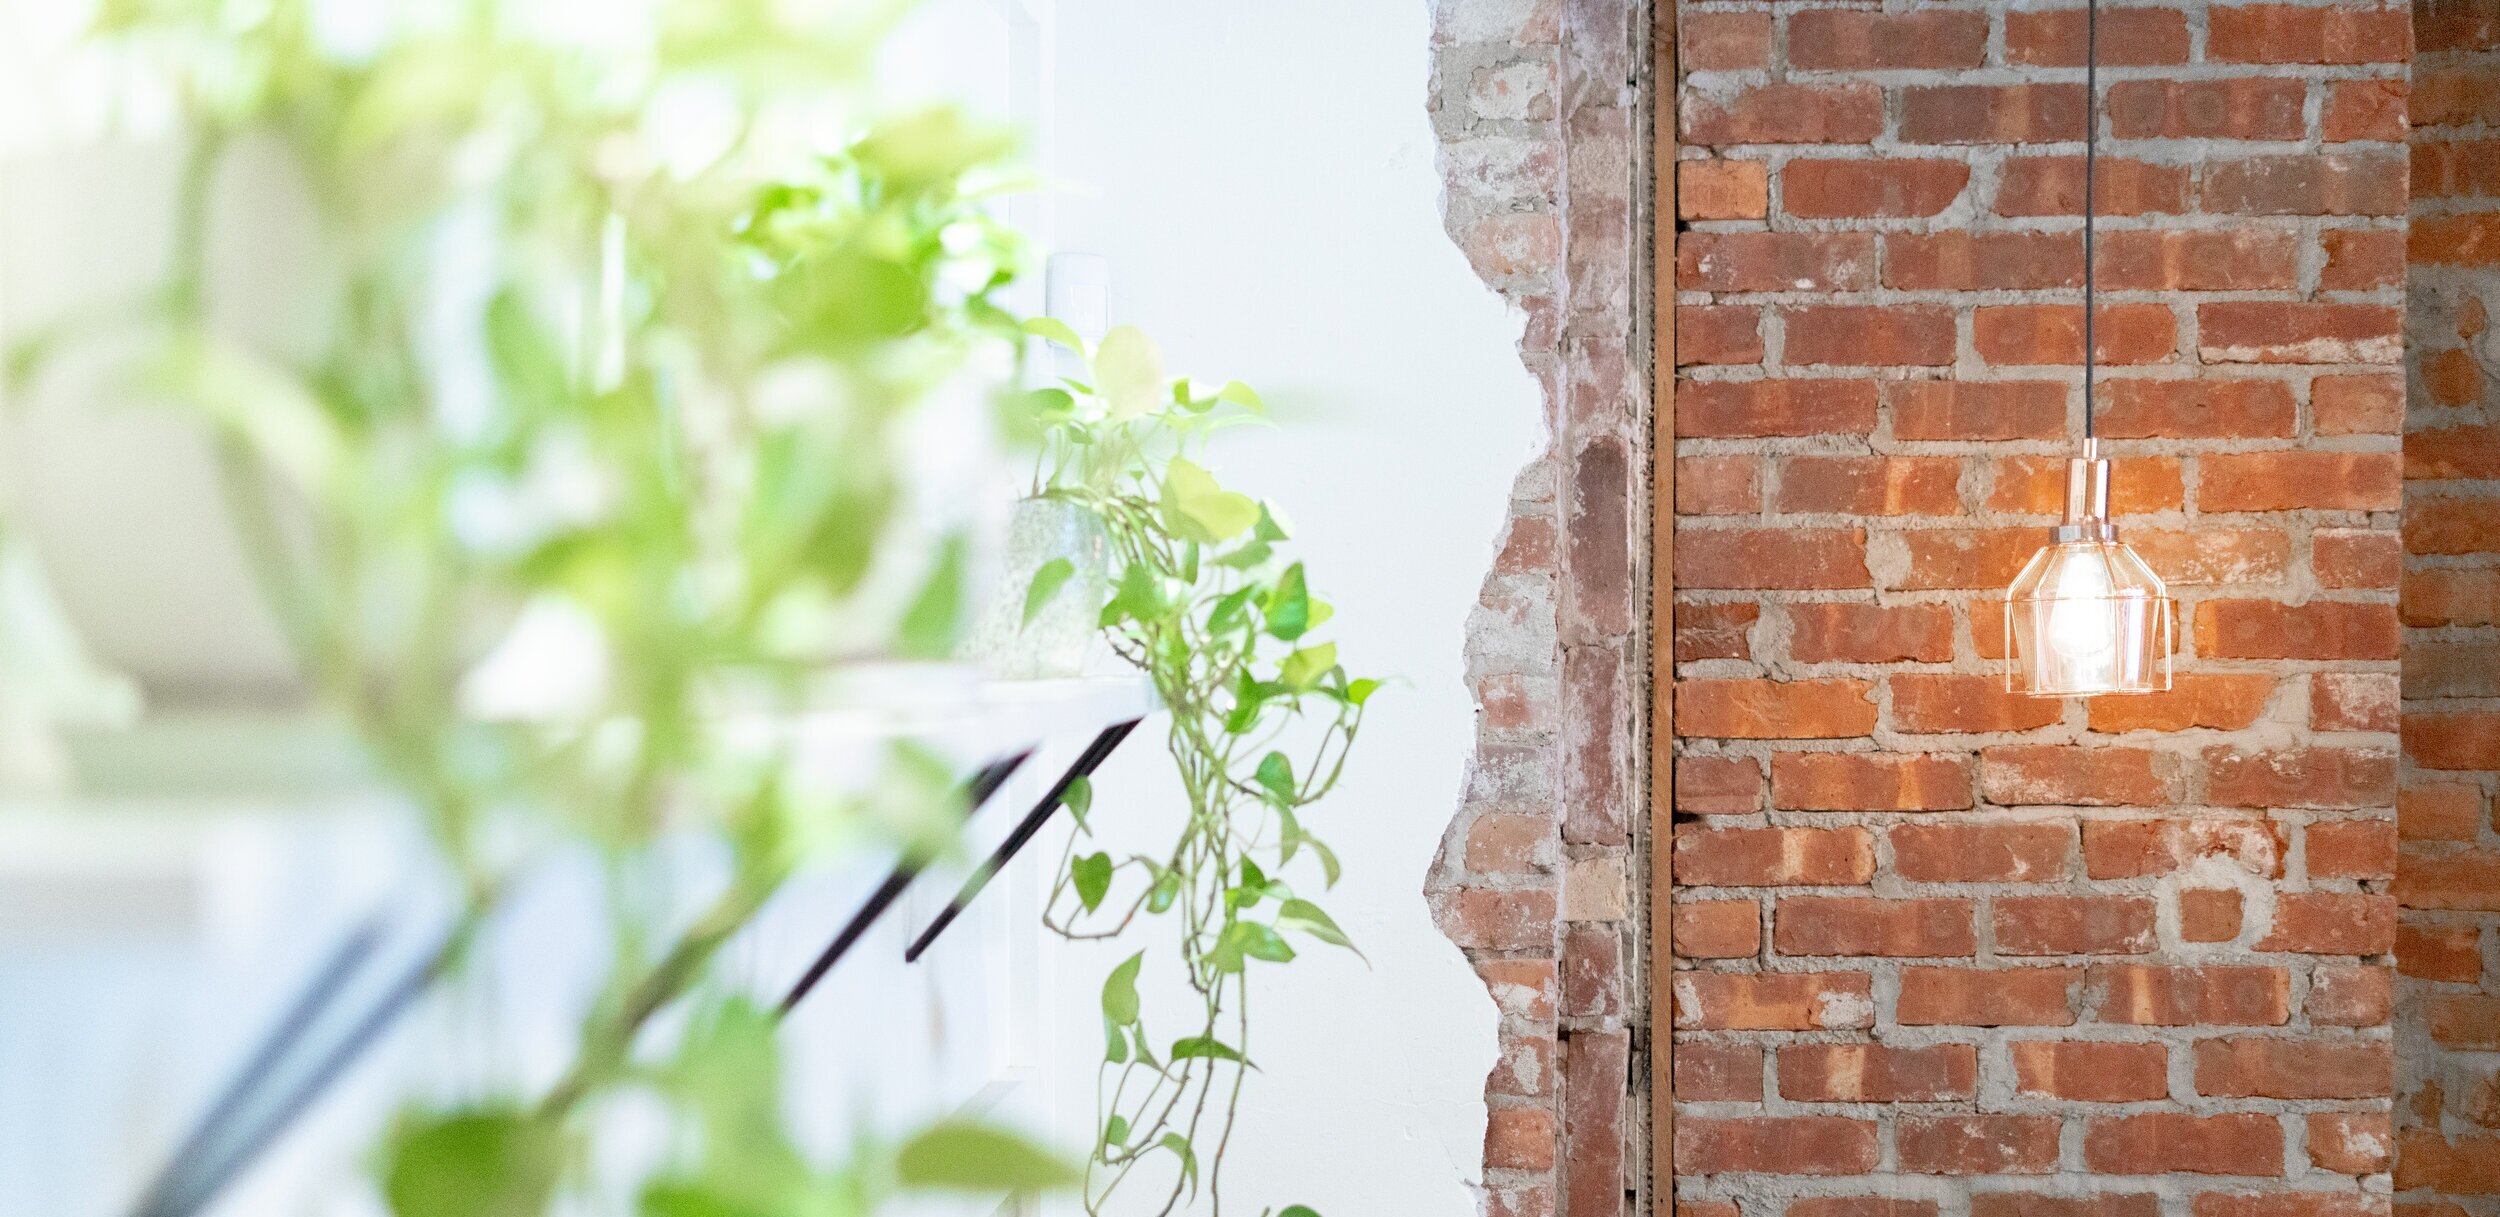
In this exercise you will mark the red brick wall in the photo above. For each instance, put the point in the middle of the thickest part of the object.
(2448, 877)
(1536, 104)
(1945, 952)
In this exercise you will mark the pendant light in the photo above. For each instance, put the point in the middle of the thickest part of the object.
(2086, 616)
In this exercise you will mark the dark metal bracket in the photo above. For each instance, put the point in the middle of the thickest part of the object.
(225, 1139)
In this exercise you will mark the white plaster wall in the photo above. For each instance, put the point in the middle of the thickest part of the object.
(1261, 178)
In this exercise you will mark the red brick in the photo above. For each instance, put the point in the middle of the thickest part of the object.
(1519, 1138)
(2451, 597)
(2452, 953)
(1524, 1062)
(1975, 410)
(1772, 558)
(1871, 485)
(1983, 261)
(2352, 995)
(2165, 1142)
(1592, 971)
(1868, 781)
(1981, 853)
(1861, 925)
(1727, 1073)
(1932, 703)
(2466, 1020)
(2003, 997)
(2361, 259)
(2464, 1164)
(2091, 1071)
(1992, 114)
(2467, 453)
(2245, 259)
(2454, 240)
(1870, 633)
(1717, 929)
(2452, 526)
(1491, 920)
(1722, 42)
(1718, 485)
(2251, 331)
(1774, 709)
(2306, 184)
(1722, 190)
(1499, 844)
(1775, 1145)
(2283, 33)
(1835, 188)
(2351, 1142)
(1718, 334)
(2053, 186)
(2351, 849)
(2290, 481)
(1752, 409)
(2026, 334)
(1889, 335)
(2214, 556)
(1715, 631)
(1521, 988)
(1773, 857)
(2439, 811)
(2320, 629)
(1978, 1145)
(2368, 403)
(2468, 880)
(2356, 557)
(2455, 168)
(2332, 923)
(1873, 1073)
(2240, 107)
(2197, 409)
(2268, 1068)
(2129, 37)
(1833, 39)
(2209, 914)
(2222, 701)
(1773, 1001)
(2358, 995)
(2041, 774)
(1784, 114)
(2236, 776)
(2353, 701)
(1967, 557)
(2036, 485)
(2130, 849)
(1718, 785)
(2073, 925)
(2217, 995)
(2364, 110)
(1775, 261)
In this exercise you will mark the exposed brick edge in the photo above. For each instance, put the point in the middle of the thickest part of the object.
(1542, 151)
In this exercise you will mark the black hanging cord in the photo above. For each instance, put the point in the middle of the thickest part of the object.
(2091, 139)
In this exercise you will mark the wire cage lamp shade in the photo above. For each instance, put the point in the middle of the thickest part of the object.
(2086, 617)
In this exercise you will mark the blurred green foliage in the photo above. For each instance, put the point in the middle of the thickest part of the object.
(705, 287)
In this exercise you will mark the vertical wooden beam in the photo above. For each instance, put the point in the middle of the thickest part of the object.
(1662, 212)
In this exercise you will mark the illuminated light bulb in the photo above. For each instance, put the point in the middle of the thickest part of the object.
(2081, 626)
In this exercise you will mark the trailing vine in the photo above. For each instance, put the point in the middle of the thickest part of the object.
(1205, 600)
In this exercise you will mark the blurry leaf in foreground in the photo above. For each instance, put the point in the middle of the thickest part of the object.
(497, 1163)
(957, 1156)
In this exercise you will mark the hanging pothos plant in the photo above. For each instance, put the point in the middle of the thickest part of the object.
(1207, 602)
